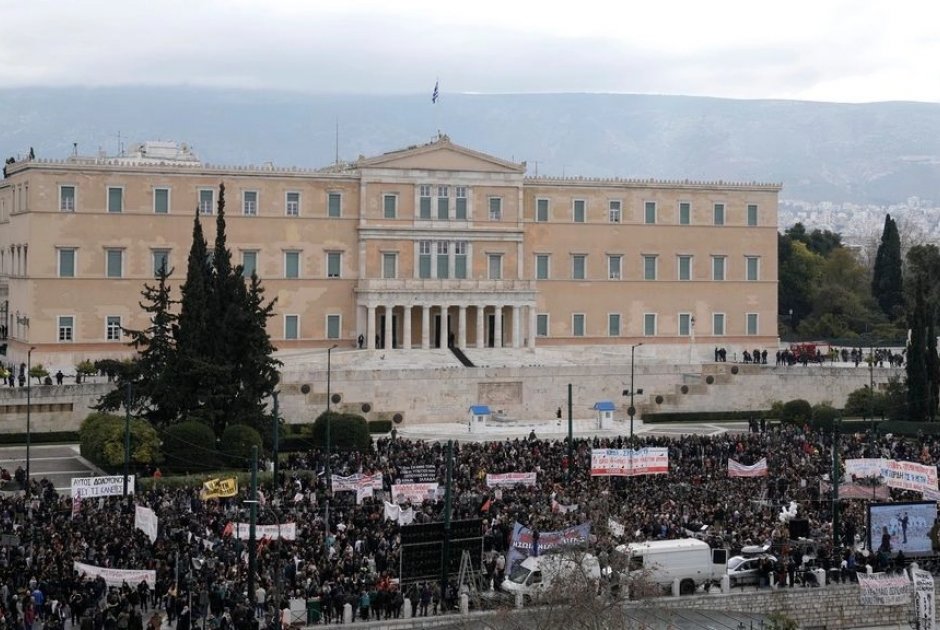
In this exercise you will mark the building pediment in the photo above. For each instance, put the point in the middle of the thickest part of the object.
(441, 155)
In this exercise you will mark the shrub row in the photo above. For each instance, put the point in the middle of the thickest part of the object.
(46, 437)
(704, 416)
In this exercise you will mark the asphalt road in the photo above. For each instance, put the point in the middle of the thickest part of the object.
(55, 462)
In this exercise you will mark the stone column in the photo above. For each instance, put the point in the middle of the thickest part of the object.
(516, 326)
(533, 325)
(406, 328)
(498, 328)
(370, 327)
(481, 317)
(388, 327)
(462, 326)
(425, 327)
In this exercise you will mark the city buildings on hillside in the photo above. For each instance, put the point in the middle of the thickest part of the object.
(419, 248)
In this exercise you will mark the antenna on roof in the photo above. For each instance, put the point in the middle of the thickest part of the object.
(74, 149)
(120, 147)
(337, 140)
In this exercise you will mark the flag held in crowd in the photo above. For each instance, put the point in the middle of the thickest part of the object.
(737, 469)
(220, 488)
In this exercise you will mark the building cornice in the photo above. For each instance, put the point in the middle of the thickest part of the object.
(672, 184)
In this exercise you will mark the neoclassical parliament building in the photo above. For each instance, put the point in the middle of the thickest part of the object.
(424, 247)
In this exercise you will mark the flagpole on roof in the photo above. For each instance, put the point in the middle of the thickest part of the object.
(435, 97)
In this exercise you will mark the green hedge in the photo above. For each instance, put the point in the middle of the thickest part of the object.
(45, 437)
(348, 432)
(190, 446)
(705, 416)
(380, 426)
(237, 440)
(103, 437)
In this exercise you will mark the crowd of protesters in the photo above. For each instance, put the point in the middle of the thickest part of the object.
(354, 556)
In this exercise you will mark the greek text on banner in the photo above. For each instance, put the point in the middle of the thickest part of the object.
(625, 462)
(115, 577)
(110, 486)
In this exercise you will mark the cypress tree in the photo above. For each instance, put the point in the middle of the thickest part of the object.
(933, 368)
(917, 389)
(887, 286)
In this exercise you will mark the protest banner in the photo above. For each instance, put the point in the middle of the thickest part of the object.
(353, 483)
(524, 544)
(882, 589)
(625, 462)
(737, 469)
(220, 488)
(894, 473)
(924, 604)
(145, 520)
(930, 495)
(109, 486)
(420, 473)
(115, 577)
(414, 492)
(510, 480)
(864, 467)
(287, 531)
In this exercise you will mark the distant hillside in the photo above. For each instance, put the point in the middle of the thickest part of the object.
(877, 153)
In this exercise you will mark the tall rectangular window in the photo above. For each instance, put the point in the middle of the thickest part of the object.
(649, 324)
(389, 265)
(250, 203)
(161, 200)
(541, 325)
(752, 266)
(460, 207)
(292, 265)
(752, 324)
(161, 262)
(496, 208)
(577, 325)
(685, 213)
(752, 214)
(206, 200)
(333, 326)
(67, 198)
(291, 326)
(424, 259)
(718, 267)
(685, 267)
(649, 267)
(443, 260)
(495, 266)
(460, 260)
(541, 210)
(685, 324)
(292, 204)
(66, 328)
(718, 324)
(541, 266)
(249, 263)
(389, 206)
(614, 266)
(613, 324)
(649, 212)
(334, 264)
(114, 262)
(112, 328)
(613, 211)
(424, 202)
(66, 256)
(719, 214)
(115, 199)
(578, 210)
(443, 202)
(334, 205)
(578, 267)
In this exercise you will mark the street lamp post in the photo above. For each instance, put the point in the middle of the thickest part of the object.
(277, 559)
(631, 411)
(29, 435)
(276, 445)
(329, 480)
(127, 435)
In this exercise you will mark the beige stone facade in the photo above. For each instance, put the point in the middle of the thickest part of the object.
(413, 249)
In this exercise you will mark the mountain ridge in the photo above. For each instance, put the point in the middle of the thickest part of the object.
(879, 153)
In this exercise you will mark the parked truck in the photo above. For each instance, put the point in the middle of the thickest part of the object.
(534, 576)
(688, 560)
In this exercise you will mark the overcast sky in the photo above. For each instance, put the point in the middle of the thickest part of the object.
(829, 50)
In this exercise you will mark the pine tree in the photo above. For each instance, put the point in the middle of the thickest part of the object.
(932, 367)
(887, 285)
(917, 393)
(149, 395)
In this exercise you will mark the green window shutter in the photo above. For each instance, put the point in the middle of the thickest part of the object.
(460, 210)
(424, 266)
(752, 215)
(424, 207)
(649, 324)
(579, 211)
(332, 327)
(291, 326)
(460, 266)
(650, 212)
(115, 258)
(577, 327)
(541, 325)
(161, 200)
(685, 213)
(292, 265)
(66, 263)
(613, 325)
(334, 205)
(115, 199)
(249, 263)
(390, 204)
(443, 271)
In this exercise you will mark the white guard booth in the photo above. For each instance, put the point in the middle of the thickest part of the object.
(605, 414)
(479, 415)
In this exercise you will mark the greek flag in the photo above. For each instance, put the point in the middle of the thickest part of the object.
(436, 93)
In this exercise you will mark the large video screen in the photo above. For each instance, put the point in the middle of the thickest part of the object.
(902, 527)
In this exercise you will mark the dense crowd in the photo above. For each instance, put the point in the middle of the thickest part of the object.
(201, 569)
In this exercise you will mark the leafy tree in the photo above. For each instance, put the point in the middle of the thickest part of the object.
(932, 365)
(796, 411)
(237, 442)
(798, 272)
(824, 417)
(38, 372)
(102, 440)
(348, 432)
(887, 276)
(916, 365)
(189, 446)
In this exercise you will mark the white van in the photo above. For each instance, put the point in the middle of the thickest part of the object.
(535, 575)
(690, 561)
